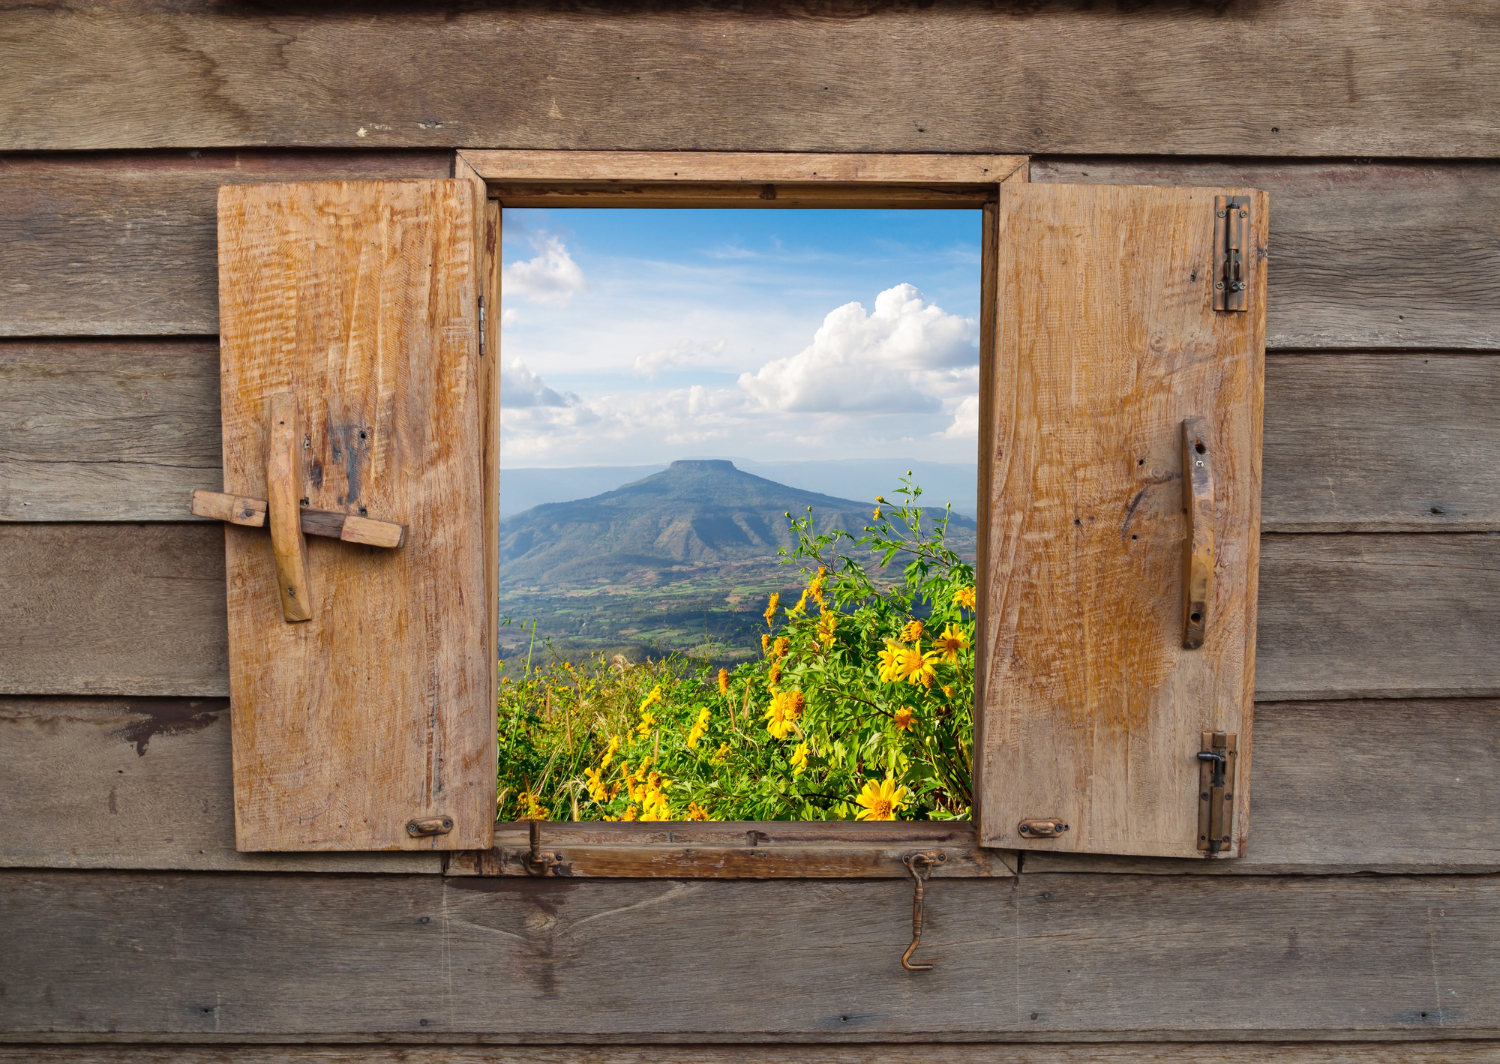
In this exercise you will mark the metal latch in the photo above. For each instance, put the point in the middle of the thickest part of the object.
(1216, 765)
(420, 826)
(920, 864)
(1231, 223)
(1041, 829)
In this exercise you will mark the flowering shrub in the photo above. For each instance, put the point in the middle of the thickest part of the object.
(861, 706)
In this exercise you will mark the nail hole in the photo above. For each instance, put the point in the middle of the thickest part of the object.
(1140, 461)
(1200, 448)
(1134, 537)
(362, 434)
(1196, 618)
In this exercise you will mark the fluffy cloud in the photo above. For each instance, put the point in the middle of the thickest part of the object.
(552, 277)
(520, 388)
(906, 357)
(685, 353)
(965, 420)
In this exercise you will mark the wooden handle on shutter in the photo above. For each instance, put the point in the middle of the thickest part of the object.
(284, 504)
(1198, 547)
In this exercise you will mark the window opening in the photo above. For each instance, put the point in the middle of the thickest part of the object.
(714, 426)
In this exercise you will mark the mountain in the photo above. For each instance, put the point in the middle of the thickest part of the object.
(522, 487)
(695, 516)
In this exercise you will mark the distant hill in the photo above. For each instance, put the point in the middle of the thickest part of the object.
(694, 516)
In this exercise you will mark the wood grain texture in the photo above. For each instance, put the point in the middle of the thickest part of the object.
(1346, 240)
(113, 609)
(123, 244)
(359, 299)
(107, 431)
(230, 957)
(136, 783)
(760, 180)
(1331, 79)
(1403, 1052)
(736, 850)
(145, 783)
(99, 431)
(1379, 616)
(1107, 343)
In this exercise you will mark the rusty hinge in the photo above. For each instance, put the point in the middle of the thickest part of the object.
(1231, 223)
(1216, 765)
(481, 326)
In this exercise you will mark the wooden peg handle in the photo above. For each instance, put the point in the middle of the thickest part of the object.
(1198, 546)
(284, 504)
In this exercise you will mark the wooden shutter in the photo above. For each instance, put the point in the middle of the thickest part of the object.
(353, 405)
(1112, 368)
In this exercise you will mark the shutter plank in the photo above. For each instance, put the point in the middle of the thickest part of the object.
(360, 299)
(1093, 711)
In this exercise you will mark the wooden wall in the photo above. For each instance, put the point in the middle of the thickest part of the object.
(132, 930)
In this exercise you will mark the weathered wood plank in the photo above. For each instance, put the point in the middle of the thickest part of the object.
(1329, 78)
(1403, 1052)
(107, 431)
(113, 609)
(1374, 616)
(1346, 243)
(1381, 443)
(1380, 786)
(136, 783)
(100, 431)
(124, 245)
(140, 610)
(228, 957)
(145, 783)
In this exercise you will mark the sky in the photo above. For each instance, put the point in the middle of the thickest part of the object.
(643, 336)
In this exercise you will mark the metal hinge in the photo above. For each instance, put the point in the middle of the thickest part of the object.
(481, 326)
(1231, 223)
(1216, 766)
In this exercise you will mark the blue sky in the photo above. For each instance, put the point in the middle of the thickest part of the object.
(639, 336)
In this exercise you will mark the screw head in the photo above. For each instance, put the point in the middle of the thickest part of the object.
(1244, 214)
(1222, 214)
(1219, 286)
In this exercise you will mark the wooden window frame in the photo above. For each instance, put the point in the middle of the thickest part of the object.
(757, 850)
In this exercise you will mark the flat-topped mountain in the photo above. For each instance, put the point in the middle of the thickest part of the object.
(694, 515)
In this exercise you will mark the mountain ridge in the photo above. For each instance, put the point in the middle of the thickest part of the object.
(693, 516)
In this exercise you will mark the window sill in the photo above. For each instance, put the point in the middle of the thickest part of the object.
(732, 850)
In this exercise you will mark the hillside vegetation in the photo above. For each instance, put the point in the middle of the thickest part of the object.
(859, 703)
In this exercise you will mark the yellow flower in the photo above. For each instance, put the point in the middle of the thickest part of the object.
(651, 699)
(799, 759)
(916, 667)
(721, 754)
(724, 681)
(911, 632)
(774, 676)
(890, 663)
(631, 814)
(696, 812)
(815, 589)
(880, 498)
(780, 647)
(828, 629)
(646, 724)
(951, 642)
(770, 613)
(876, 514)
(781, 718)
(609, 754)
(903, 718)
(531, 809)
(947, 691)
(963, 598)
(801, 604)
(698, 730)
(765, 643)
(597, 791)
(881, 801)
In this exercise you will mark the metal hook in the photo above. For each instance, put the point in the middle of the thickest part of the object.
(538, 863)
(919, 863)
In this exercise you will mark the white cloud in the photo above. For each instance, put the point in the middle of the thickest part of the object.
(521, 388)
(906, 357)
(683, 353)
(965, 420)
(552, 277)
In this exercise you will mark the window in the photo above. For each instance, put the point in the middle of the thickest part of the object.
(1105, 363)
